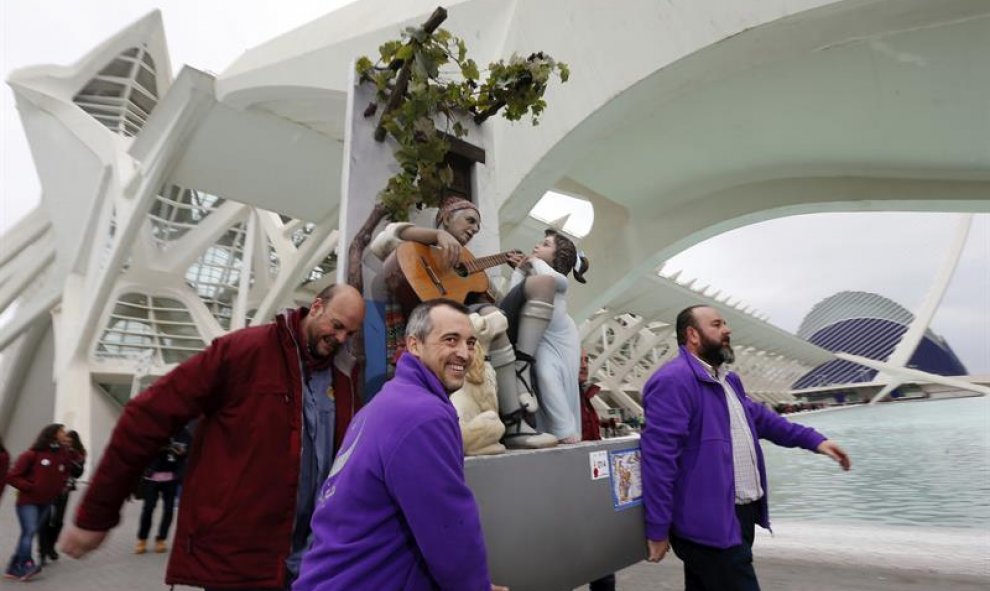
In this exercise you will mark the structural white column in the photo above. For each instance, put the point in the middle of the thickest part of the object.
(923, 317)
(252, 241)
(73, 396)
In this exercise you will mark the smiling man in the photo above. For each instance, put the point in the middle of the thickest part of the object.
(273, 399)
(704, 480)
(396, 512)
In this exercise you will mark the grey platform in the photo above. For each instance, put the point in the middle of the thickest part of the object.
(548, 525)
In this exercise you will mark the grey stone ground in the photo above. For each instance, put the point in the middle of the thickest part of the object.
(115, 567)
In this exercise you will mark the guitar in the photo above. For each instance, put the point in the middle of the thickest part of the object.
(418, 272)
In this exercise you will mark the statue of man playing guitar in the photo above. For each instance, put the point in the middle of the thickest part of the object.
(457, 222)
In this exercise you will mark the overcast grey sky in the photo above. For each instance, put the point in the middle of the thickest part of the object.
(782, 267)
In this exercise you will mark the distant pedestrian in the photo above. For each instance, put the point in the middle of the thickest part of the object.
(50, 528)
(590, 423)
(39, 475)
(162, 479)
(704, 479)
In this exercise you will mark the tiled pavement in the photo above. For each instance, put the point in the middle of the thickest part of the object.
(114, 567)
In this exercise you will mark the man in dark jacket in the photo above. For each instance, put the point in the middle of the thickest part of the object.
(396, 512)
(704, 480)
(273, 398)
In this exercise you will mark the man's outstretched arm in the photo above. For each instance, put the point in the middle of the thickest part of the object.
(832, 450)
(773, 427)
(78, 542)
(145, 426)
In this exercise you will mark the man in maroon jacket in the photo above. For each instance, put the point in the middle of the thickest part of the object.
(275, 400)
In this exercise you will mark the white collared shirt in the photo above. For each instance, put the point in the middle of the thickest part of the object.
(744, 465)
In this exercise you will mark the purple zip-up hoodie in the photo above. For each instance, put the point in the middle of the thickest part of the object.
(688, 480)
(396, 512)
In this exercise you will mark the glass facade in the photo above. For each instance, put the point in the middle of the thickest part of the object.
(140, 322)
(124, 93)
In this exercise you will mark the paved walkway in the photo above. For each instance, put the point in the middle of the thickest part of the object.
(114, 567)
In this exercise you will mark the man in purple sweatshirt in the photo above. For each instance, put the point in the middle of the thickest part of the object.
(396, 512)
(704, 480)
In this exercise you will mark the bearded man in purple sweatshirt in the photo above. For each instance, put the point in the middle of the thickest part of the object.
(704, 480)
(396, 511)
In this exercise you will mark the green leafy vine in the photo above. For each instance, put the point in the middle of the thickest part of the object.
(437, 82)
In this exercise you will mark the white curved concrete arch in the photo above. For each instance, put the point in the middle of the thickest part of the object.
(648, 240)
(732, 105)
(755, 110)
(630, 61)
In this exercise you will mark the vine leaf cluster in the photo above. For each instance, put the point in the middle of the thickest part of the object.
(437, 83)
(423, 78)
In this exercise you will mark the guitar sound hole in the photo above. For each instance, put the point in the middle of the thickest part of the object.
(461, 271)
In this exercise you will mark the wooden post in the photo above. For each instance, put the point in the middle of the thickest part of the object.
(402, 82)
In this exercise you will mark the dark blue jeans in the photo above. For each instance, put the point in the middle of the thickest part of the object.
(721, 569)
(152, 490)
(30, 518)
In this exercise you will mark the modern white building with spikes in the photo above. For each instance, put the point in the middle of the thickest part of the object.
(177, 207)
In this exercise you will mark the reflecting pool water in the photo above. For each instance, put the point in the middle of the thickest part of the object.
(914, 463)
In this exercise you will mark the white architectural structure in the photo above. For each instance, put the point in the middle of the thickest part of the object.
(880, 345)
(176, 209)
(894, 373)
